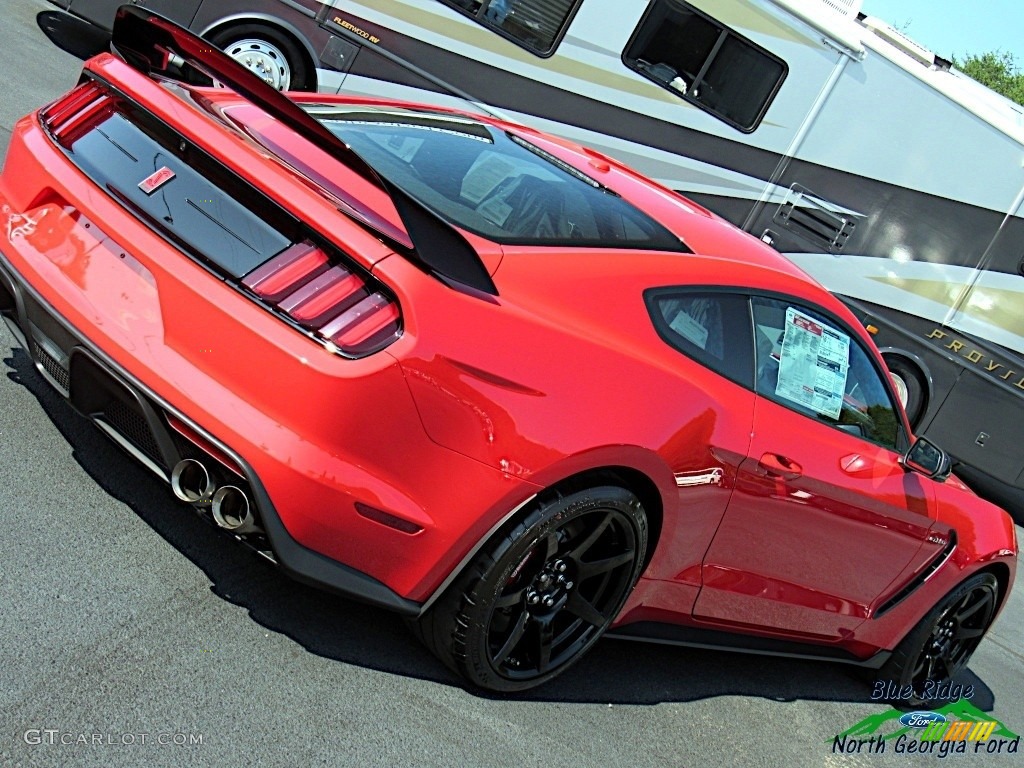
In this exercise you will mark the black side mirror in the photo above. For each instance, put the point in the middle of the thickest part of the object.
(928, 459)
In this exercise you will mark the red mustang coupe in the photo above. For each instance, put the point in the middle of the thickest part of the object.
(487, 379)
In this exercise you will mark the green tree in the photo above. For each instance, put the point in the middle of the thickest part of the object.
(996, 69)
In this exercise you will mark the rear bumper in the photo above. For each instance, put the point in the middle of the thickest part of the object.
(18, 300)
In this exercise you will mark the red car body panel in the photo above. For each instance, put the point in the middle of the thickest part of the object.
(486, 400)
(781, 522)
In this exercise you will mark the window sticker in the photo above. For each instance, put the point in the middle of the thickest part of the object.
(402, 147)
(489, 170)
(814, 364)
(687, 327)
(495, 211)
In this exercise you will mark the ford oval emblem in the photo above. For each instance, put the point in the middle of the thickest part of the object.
(921, 719)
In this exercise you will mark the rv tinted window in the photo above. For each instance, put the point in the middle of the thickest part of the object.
(705, 63)
(536, 25)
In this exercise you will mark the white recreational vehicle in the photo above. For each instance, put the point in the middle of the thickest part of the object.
(895, 180)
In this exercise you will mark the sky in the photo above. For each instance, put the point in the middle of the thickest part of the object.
(956, 27)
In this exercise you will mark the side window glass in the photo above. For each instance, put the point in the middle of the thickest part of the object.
(712, 328)
(705, 63)
(536, 25)
(809, 363)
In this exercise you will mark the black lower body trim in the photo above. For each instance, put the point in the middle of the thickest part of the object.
(712, 639)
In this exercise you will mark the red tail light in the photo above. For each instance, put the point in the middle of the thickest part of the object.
(327, 293)
(363, 321)
(328, 298)
(279, 276)
(77, 112)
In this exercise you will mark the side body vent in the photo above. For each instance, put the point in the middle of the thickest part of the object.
(815, 219)
(925, 573)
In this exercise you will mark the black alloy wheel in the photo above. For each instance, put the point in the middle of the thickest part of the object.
(941, 645)
(955, 635)
(536, 599)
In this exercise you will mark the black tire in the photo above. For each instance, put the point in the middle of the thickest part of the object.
(913, 380)
(537, 597)
(941, 644)
(269, 43)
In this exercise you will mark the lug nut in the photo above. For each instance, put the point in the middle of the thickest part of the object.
(549, 602)
(533, 598)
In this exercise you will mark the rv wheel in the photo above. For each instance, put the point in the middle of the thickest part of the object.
(271, 55)
(909, 386)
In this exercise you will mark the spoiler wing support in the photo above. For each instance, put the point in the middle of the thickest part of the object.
(152, 45)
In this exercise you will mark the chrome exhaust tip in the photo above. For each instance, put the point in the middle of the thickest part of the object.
(231, 510)
(191, 482)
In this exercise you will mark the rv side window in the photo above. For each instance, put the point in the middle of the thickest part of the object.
(536, 25)
(705, 63)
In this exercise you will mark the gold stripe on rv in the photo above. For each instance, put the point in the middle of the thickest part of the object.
(999, 307)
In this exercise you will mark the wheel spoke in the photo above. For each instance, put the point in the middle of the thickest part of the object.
(963, 603)
(572, 631)
(586, 570)
(551, 546)
(967, 634)
(968, 611)
(580, 549)
(919, 668)
(545, 640)
(513, 640)
(510, 600)
(579, 606)
(930, 668)
(949, 666)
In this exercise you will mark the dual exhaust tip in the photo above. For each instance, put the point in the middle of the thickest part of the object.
(191, 482)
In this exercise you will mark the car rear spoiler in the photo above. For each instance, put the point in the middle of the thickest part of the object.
(152, 44)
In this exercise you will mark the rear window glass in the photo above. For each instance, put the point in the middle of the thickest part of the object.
(713, 328)
(492, 183)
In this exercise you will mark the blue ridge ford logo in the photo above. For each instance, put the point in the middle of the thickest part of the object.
(956, 728)
(921, 719)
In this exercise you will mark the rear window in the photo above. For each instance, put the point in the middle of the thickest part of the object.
(492, 183)
(712, 327)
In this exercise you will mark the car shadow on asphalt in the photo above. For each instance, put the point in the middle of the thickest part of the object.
(73, 35)
(616, 672)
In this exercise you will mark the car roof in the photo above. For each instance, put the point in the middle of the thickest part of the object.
(738, 258)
